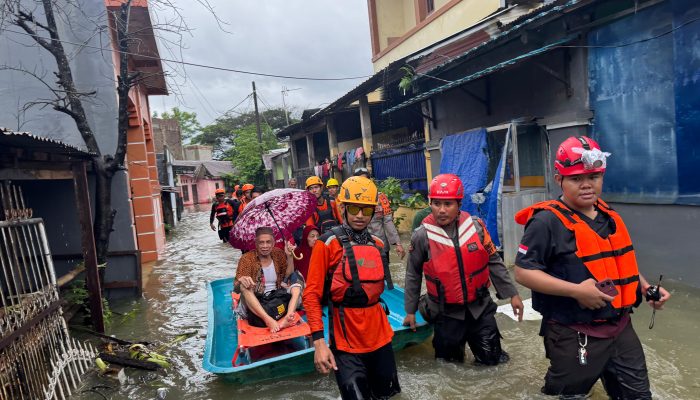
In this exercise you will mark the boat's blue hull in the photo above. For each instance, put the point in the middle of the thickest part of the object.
(222, 339)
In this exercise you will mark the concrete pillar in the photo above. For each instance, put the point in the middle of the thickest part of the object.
(425, 107)
(293, 151)
(332, 136)
(333, 144)
(285, 170)
(310, 149)
(366, 127)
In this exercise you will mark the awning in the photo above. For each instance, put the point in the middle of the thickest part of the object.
(480, 74)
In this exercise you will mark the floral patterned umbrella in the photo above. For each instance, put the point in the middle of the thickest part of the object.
(283, 210)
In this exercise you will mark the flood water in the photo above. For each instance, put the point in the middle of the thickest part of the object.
(175, 301)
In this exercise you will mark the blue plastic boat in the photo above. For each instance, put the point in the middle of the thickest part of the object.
(222, 340)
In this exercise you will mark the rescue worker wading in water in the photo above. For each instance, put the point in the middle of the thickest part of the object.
(574, 250)
(348, 273)
(455, 252)
(247, 196)
(224, 213)
(326, 214)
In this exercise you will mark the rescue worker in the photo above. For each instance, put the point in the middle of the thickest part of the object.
(332, 185)
(382, 223)
(222, 210)
(247, 196)
(256, 192)
(235, 202)
(457, 256)
(326, 214)
(359, 349)
(570, 248)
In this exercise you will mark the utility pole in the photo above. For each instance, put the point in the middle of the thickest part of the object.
(284, 104)
(257, 115)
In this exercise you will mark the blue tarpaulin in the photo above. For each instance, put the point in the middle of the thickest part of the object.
(466, 155)
(646, 97)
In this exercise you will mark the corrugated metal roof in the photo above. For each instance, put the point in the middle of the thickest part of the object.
(369, 85)
(508, 31)
(27, 140)
(212, 168)
(477, 75)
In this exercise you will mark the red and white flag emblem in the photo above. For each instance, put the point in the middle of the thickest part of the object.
(522, 249)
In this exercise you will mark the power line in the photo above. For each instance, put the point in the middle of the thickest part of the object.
(233, 109)
(239, 71)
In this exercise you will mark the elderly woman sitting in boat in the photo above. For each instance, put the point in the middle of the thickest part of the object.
(270, 289)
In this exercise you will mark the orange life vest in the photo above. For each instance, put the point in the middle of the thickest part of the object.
(358, 280)
(384, 203)
(457, 272)
(224, 214)
(612, 257)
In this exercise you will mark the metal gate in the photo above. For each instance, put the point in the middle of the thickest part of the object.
(406, 164)
(38, 358)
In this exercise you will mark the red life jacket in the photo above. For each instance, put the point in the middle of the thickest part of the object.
(612, 257)
(457, 272)
(224, 214)
(358, 280)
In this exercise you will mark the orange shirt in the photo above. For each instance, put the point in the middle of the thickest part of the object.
(367, 328)
(313, 219)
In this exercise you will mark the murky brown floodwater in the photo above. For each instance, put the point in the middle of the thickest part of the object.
(175, 301)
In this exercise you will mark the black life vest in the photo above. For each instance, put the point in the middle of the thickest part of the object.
(325, 219)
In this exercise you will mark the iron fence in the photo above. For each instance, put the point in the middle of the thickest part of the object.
(38, 358)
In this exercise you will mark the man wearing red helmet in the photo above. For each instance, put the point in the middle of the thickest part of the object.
(577, 257)
(455, 253)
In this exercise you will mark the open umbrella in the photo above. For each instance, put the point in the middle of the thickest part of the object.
(284, 210)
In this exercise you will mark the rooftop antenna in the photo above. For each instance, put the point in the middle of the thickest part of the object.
(284, 104)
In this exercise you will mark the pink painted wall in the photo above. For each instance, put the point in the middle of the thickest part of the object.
(204, 189)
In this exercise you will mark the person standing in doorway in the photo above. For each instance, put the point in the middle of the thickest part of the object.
(577, 257)
(459, 260)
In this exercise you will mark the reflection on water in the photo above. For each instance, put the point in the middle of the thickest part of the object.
(175, 302)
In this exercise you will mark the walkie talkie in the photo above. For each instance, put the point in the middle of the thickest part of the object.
(653, 294)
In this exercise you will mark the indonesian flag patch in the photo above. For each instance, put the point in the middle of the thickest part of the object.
(522, 249)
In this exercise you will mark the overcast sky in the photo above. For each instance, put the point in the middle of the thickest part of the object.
(316, 38)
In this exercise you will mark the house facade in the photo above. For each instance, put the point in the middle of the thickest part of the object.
(137, 233)
(497, 95)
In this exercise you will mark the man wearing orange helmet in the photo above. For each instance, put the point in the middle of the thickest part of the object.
(222, 210)
(247, 195)
(455, 253)
(359, 349)
(577, 257)
(326, 214)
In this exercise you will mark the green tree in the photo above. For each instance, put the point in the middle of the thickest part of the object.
(189, 126)
(246, 153)
(221, 133)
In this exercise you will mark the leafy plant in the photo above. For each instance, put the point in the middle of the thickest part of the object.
(408, 80)
(417, 200)
(77, 294)
(391, 187)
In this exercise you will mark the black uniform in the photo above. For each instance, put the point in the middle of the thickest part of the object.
(613, 351)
